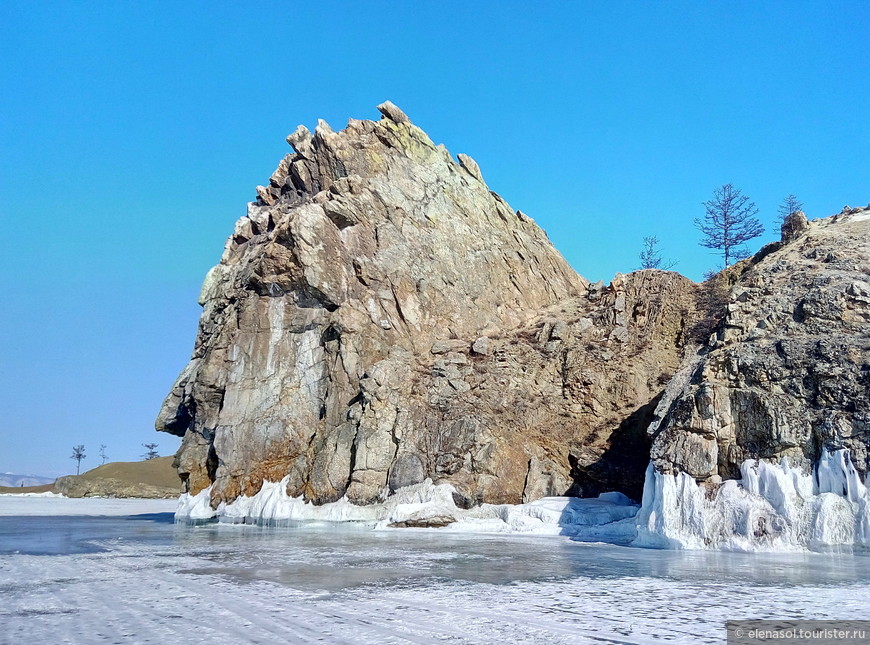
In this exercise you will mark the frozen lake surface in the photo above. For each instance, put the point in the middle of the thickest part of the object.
(140, 578)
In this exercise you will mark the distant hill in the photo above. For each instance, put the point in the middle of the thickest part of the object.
(11, 480)
(153, 478)
(154, 472)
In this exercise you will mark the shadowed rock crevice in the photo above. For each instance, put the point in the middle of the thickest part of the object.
(621, 466)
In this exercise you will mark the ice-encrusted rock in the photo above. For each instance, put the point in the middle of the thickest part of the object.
(380, 318)
(773, 507)
(609, 517)
(761, 439)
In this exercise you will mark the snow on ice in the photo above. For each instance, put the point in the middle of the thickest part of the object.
(772, 508)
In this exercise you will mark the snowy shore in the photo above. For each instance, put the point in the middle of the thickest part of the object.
(772, 508)
(41, 504)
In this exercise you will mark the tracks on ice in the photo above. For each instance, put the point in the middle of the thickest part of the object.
(143, 594)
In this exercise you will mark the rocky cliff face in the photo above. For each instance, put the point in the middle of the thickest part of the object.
(787, 372)
(380, 317)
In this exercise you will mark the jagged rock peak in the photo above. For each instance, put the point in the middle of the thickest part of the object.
(315, 355)
(300, 140)
(379, 318)
(390, 111)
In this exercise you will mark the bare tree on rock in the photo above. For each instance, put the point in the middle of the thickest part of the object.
(150, 451)
(103, 456)
(651, 255)
(730, 221)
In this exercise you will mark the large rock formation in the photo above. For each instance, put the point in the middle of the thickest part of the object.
(787, 372)
(380, 317)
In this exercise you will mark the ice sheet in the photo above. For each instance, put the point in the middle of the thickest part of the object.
(608, 518)
(243, 584)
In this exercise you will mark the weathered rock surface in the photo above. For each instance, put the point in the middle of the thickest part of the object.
(559, 405)
(787, 372)
(380, 317)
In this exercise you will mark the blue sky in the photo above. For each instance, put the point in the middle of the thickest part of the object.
(133, 134)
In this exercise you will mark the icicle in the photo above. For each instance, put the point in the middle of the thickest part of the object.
(773, 507)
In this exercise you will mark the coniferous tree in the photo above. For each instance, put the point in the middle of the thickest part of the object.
(789, 205)
(78, 455)
(651, 256)
(151, 451)
(729, 222)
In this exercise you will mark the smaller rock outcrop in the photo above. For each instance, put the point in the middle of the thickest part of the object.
(793, 226)
(150, 479)
(787, 372)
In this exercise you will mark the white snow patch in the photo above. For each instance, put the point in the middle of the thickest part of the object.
(51, 504)
(608, 518)
(772, 508)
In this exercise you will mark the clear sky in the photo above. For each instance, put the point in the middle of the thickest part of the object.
(133, 133)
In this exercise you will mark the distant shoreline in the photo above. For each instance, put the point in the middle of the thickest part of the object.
(44, 488)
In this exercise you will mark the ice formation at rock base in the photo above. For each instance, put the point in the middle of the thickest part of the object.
(772, 508)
